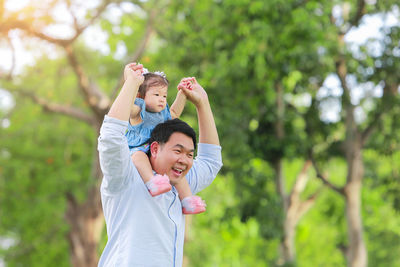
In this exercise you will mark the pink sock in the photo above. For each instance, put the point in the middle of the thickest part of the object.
(159, 184)
(193, 205)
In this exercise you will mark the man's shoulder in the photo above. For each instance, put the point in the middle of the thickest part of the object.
(111, 120)
(113, 125)
(204, 148)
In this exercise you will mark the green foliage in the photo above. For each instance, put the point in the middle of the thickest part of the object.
(219, 238)
(322, 233)
(382, 205)
(243, 52)
(246, 53)
(43, 156)
(257, 191)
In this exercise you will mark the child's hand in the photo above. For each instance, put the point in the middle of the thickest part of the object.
(134, 71)
(193, 90)
(186, 83)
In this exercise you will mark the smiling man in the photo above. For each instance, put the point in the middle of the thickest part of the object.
(144, 230)
(172, 148)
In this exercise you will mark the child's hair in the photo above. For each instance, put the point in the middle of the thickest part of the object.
(151, 79)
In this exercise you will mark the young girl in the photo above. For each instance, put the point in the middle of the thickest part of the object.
(150, 109)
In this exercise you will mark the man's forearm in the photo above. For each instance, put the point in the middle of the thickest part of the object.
(208, 133)
(121, 107)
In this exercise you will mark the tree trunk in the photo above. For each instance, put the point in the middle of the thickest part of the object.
(295, 208)
(86, 222)
(356, 252)
(288, 246)
(287, 243)
(188, 238)
(84, 235)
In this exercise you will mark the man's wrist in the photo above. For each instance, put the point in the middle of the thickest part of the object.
(133, 81)
(202, 103)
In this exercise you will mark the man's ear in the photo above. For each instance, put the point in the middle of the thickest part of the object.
(154, 148)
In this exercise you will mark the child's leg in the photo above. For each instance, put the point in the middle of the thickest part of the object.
(190, 204)
(156, 184)
(142, 164)
(183, 189)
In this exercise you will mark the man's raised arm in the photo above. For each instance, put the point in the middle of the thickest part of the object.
(112, 143)
(209, 160)
(208, 133)
(121, 107)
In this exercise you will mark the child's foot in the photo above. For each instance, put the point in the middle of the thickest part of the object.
(193, 205)
(159, 184)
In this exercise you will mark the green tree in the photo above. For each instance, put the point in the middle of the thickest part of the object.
(262, 58)
(252, 57)
(50, 177)
(263, 64)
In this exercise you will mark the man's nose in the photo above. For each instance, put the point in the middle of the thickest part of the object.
(184, 159)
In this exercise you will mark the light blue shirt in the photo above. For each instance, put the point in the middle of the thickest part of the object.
(144, 230)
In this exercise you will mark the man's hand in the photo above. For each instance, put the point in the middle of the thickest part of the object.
(194, 92)
(197, 95)
(121, 107)
(134, 71)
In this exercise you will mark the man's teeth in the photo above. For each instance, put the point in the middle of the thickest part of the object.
(179, 170)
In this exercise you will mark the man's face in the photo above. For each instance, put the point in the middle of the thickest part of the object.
(156, 98)
(174, 158)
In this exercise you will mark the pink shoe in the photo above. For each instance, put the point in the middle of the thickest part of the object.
(193, 205)
(159, 184)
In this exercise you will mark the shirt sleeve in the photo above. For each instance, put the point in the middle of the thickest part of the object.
(115, 161)
(205, 167)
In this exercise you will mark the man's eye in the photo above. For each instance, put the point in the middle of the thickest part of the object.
(156, 94)
(190, 155)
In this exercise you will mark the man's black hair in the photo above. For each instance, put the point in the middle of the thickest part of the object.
(163, 131)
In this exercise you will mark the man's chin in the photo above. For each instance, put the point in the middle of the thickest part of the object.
(176, 178)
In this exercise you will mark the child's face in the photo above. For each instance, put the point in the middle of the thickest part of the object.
(156, 98)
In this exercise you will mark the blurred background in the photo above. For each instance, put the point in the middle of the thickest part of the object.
(306, 99)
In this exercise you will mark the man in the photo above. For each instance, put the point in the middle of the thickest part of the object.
(144, 230)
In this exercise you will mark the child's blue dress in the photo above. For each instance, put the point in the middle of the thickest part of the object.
(138, 135)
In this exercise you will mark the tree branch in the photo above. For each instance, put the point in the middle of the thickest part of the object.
(359, 14)
(389, 91)
(97, 13)
(324, 179)
(299, 4)
(96, 99)
(139, 51)
(371, 127)
(69, 111)
(297, 208)
(305, 206)
(12, 22)
(300, 182)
